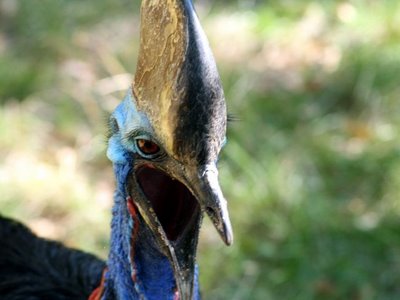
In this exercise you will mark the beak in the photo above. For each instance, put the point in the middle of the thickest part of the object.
(205, 186)
(212, 200)
(172, 206)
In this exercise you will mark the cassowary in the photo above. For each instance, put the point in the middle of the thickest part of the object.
(164, 142)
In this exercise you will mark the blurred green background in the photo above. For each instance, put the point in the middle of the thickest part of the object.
(312, 167)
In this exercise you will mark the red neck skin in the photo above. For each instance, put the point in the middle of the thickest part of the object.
(98, 292)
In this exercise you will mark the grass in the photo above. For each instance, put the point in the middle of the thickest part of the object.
(311, 166)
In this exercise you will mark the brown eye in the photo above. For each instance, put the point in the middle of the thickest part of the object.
(147, 147)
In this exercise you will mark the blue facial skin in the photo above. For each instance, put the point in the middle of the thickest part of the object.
(155, 278)
(128, 120)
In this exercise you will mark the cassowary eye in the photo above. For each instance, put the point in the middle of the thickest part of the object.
(147, 147)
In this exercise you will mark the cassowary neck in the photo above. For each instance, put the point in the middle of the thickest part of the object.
(150, 276)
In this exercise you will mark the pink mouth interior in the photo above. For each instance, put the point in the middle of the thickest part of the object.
(173, 203)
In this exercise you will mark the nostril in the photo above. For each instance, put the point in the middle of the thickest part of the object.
(210, 211)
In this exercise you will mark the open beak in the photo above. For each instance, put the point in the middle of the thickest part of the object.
(172, 208)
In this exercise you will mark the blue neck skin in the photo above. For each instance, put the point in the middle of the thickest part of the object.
(154, 275)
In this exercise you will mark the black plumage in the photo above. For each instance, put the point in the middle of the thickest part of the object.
(33, 268)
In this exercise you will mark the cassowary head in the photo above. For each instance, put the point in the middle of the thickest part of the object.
(165, 139)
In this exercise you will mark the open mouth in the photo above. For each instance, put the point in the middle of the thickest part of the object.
(173, 203)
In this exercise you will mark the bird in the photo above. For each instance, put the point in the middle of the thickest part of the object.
(164, 141)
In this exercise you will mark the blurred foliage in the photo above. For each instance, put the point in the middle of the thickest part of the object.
(312, 166)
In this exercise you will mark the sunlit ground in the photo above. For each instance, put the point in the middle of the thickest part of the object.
(312, 165)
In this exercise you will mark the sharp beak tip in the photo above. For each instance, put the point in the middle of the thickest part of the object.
(227, 234)
(229, 239)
